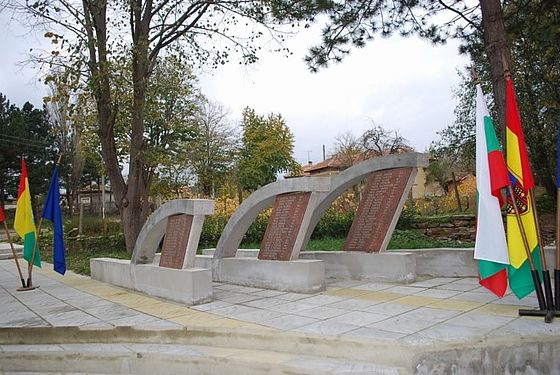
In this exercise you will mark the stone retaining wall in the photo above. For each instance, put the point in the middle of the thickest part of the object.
(457, 228)
(461, 228)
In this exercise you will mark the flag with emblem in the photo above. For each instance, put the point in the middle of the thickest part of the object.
(491, 176)
(521, 178)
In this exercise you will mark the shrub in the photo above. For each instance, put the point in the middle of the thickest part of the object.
(545, 204)
(333, 224)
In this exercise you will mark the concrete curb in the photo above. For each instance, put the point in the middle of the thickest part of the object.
(534, 352)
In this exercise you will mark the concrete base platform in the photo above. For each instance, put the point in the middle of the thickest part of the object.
(190, 286)
(302, 275)
(387, 266)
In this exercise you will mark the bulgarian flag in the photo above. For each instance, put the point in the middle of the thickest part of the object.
(491, 176)
(520, 175)
(24, 224)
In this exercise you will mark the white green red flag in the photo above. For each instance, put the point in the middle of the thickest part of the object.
(491, 176)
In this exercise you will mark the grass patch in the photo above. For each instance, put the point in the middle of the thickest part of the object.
(104, 239)
(79, 250)
(402, 239)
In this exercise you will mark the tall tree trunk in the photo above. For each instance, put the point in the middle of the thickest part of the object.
(135, 213)
(497, 49)
(95, 15)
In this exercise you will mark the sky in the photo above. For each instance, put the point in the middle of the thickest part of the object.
(403, 84)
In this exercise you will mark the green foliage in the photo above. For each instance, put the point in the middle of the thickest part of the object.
(409, 239)
(326, 244)
(408, 214)
(333, 224)
(80, 250)
(354, 23)
(212, 230)
(92, 225)
(256, 231)
(267, 150)
(213, 152)
(24, 132)
(545, 204)
(532, 29)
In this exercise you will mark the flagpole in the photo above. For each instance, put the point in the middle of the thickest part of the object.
(546, 306)
(534, 271)
(545, 271)
(31, 264)
(557, 270)
(35, 247)
(14, 253)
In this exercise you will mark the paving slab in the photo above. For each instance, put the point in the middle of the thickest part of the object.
(430, 313)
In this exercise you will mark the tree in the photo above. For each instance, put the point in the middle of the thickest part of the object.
(354, 23)
(378, 141)
(25, 132)
(266, 151)
(212, 152)
(204, 31)
(67, 134)
(373, 142)
(532, 28)
(347, 148)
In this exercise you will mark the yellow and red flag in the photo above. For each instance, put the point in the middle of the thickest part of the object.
(521, 177)
(24, 223)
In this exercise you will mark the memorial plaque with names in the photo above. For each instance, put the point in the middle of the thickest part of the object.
(380, 199)
(283, 226)
(175, 241)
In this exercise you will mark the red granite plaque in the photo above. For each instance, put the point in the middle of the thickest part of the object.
(283, 226)
(175, 241)
(380, 199)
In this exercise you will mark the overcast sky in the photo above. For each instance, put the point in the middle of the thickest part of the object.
(398, 83)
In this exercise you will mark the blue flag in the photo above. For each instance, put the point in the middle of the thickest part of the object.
(53, 212)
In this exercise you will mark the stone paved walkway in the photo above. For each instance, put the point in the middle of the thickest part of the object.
(439, 309)
(75, 325)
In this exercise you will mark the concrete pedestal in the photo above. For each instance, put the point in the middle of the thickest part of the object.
(385, 266)
(390, 267)
(302, 275)
(190, 286)
(112, 271)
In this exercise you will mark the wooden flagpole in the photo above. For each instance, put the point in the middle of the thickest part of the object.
(14, 253)
(557, 269)
(534, 271)
(550, 314)
(38, 234)
(29, 285)
(546, 307)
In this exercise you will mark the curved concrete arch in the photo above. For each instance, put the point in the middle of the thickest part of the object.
(243, 217)
(324, 191)
(154, 229)
(353, 175)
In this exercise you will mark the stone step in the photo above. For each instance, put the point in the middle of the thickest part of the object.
(382, 353)
(126, 358)
(6, 250)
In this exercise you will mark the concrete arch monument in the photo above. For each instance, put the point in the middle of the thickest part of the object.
(154, 229)
(298, 204)
(323, 191)
(174, 276)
